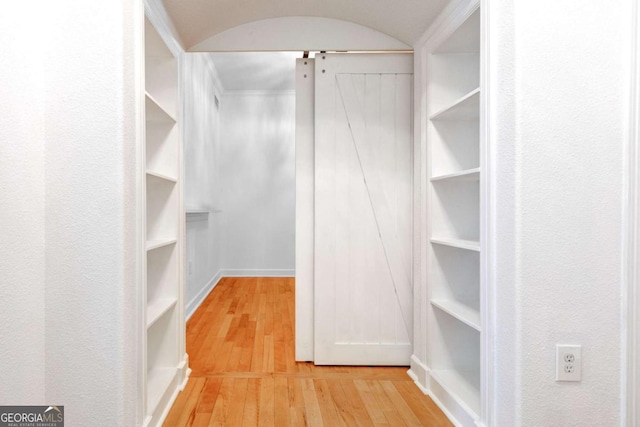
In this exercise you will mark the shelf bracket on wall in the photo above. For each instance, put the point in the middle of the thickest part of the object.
(200, 214)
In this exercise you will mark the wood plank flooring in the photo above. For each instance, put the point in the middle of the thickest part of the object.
(241, 351)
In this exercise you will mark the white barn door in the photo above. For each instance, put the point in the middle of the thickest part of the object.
(363, 169)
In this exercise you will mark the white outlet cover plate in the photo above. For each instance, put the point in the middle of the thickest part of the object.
(567, 370)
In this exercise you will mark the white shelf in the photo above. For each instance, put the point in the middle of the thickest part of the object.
(462, 385)
(470, 245)
(158, 381)
(197, 215)
(465, 108)
(156, 309)
(465, 175)
(460, 311)
(201, 211)
(159, 243)
(161, 176)
(155, 112)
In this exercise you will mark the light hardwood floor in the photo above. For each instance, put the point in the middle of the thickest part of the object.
(241, 351)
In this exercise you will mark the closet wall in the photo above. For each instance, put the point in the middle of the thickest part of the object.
(556, 101)
(67, 180)
(257, 179)
(22, 254)
(560, 82)
(201, 94)
(239, 177)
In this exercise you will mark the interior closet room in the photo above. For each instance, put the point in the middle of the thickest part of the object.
(287, 193)
(470, 190)
(239, 156)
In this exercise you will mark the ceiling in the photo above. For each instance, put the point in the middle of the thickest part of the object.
(199, 20)
(256, 70)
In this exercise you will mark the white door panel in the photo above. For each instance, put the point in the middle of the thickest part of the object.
(363, 291)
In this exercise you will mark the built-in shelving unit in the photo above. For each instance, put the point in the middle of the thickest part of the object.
(164, 320)
(454, 202)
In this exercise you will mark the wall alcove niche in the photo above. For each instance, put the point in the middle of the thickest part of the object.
(450, 360)
(452, 320)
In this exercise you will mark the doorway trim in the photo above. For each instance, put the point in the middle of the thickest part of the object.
(630, 290)
(305, 203)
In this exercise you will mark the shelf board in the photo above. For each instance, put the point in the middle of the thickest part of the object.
(197, 215)
(465, 175)
(189, 212)
(158, 243)
(470, 245)
(156, 309)
(462, 386)
(155, 112)
(462, 312)
(161, 176)
(465, 108)
(158, 381)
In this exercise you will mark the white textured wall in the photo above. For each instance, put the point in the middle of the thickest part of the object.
(22, 253)
(257, 179)
(559, 131)
(89, 94)
(507, 396)
(201, 166)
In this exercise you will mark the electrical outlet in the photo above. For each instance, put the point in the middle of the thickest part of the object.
(568, 362)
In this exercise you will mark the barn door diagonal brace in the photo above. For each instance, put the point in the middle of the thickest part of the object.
(379, 204)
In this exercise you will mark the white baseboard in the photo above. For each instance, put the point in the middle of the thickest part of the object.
(419, 373)
(159, 415)
(444, 410)
(185, 371)
(449, 402)
(257, 273)
(416, 381)
(193, 305)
